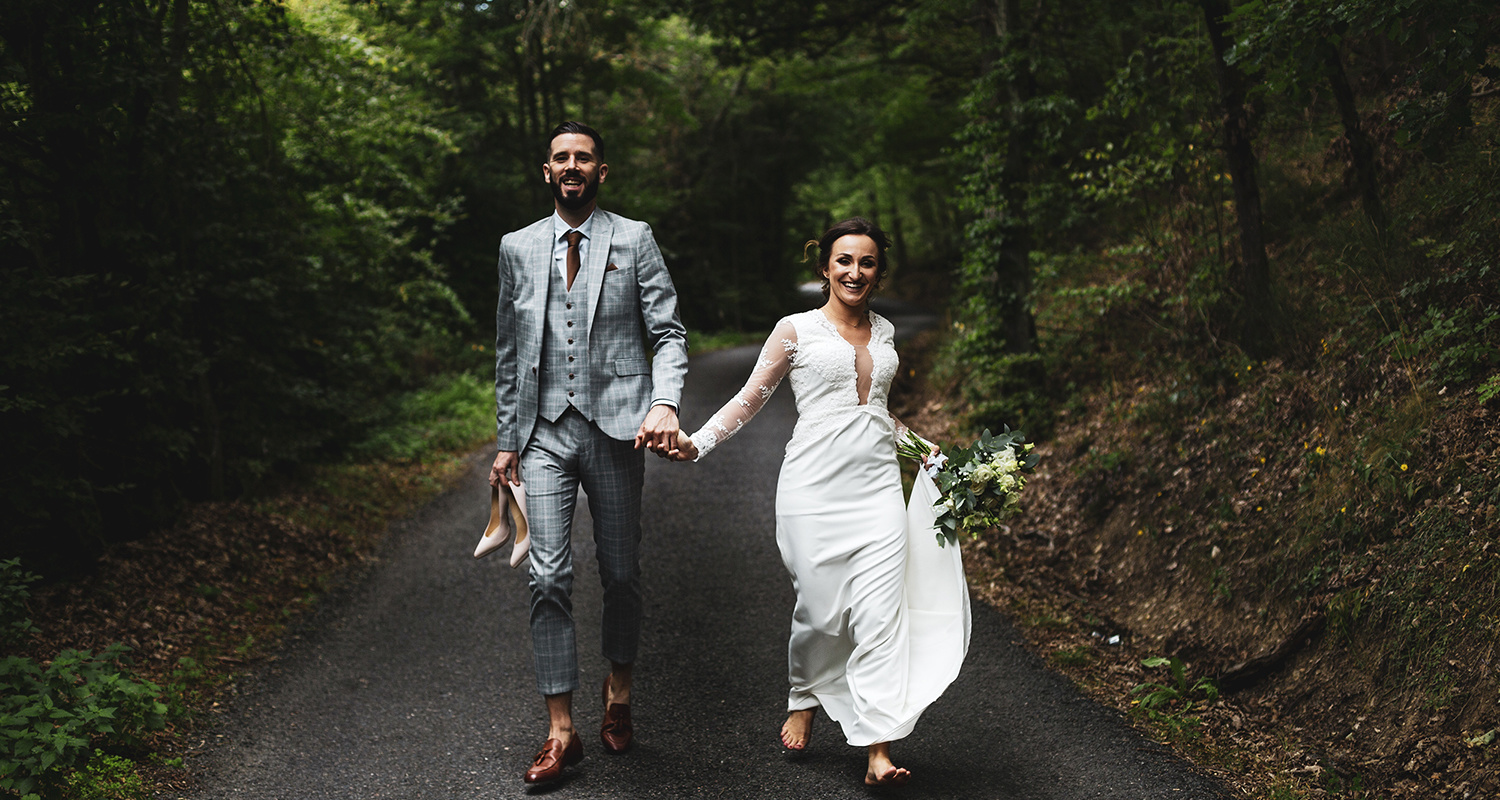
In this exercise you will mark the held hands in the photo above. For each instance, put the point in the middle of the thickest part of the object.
(659, 432)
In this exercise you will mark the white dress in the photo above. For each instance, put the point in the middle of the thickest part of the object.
(881, 625)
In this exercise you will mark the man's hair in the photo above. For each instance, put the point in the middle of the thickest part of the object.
(575, 127)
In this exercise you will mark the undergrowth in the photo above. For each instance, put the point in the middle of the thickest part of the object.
(57, 714)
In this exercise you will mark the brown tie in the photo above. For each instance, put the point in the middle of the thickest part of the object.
(573, 237)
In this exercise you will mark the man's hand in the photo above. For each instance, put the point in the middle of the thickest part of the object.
(507, 466)
(659, 432)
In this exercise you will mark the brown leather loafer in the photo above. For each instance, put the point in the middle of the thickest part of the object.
(553, 757)
(616, 730)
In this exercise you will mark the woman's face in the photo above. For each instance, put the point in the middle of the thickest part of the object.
(852, 267)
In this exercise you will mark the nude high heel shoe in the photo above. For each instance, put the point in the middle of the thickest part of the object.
(497, 532)
(517, 495)
(503, 524)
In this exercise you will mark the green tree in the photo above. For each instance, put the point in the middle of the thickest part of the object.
(212, 244)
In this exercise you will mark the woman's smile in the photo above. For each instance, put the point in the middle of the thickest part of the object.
(852, 269)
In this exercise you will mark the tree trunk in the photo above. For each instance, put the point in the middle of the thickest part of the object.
(1013, 265)
(1361, 152)
(1255, 270)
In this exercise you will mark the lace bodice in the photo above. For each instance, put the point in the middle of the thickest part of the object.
(827, 375)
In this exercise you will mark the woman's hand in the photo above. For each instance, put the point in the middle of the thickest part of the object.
(685, 449)
(934, 461)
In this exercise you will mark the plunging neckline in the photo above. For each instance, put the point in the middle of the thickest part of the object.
(869, 376)
(869, 317)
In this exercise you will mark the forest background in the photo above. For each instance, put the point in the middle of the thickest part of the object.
(1233, 263)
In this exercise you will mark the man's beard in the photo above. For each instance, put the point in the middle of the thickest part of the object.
(580, 200)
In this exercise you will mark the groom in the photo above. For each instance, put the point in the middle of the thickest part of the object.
(582, 293)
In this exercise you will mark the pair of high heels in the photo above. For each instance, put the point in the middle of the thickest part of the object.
(499, 531)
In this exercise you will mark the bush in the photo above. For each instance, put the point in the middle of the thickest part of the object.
(999, 388)
(53, 716)
(107, 777)
(453, 412)
(14, 626)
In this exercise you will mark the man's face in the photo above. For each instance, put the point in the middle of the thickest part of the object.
(573, 171)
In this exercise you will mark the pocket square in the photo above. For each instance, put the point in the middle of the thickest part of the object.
(611, 268)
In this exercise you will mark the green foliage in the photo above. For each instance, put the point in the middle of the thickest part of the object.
(453, 412)
(1441, 602)
(1006, 387)
(1489, 389)
(186, 687)
(15, 622)
(53, 715)
(1170, 703)
(1445, 42)
(107, 777)
(1461, 341)
(1080, 656)
(1178, 692)
(980, 484)
(700, 342)
(216, 258)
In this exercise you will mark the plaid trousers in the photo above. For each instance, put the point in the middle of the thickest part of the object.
(560, 457)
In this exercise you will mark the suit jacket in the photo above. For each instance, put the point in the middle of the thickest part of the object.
(632, 304)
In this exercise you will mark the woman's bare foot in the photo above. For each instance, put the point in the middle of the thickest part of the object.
(881, 771)
(797, 731)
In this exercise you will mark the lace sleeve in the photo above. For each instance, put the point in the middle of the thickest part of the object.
(900, 427)
(775, 361)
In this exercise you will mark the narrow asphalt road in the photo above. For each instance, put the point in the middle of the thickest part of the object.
(415, 681)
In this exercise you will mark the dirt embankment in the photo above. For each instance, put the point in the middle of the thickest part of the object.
(1349, 622)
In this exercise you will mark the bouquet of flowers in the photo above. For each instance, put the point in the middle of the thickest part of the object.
(979, 485)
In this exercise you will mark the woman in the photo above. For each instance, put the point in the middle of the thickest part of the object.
(881, 626)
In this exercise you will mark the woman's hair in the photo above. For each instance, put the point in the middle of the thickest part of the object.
(854, 226)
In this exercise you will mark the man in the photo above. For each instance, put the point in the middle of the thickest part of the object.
(581, 294)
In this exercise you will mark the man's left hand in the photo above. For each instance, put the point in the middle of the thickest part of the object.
(659, 432)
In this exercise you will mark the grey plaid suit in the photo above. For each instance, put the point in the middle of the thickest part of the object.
(630, 303)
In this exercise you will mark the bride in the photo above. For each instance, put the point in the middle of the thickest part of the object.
(881, 623)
